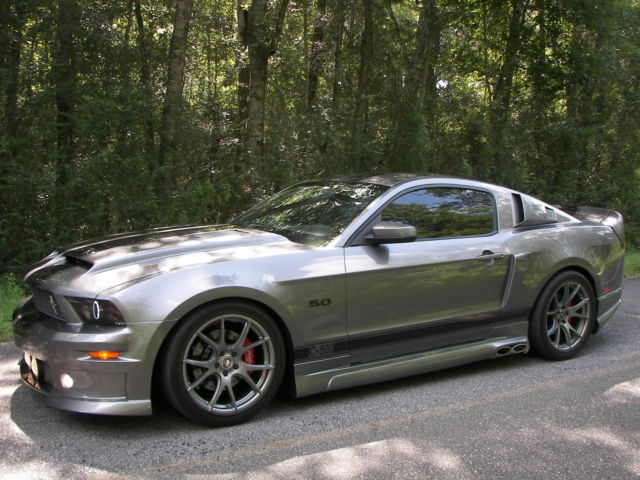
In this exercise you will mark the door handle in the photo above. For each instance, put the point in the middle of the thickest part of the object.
(489, 256)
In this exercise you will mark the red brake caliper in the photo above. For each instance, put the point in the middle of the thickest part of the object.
(249, 356)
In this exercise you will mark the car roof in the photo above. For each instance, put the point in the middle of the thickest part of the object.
(386, 179)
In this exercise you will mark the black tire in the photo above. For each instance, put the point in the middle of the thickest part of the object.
(563, 316)
(223, 364)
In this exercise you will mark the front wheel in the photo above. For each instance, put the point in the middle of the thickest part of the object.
(223, 363)
(563, 316)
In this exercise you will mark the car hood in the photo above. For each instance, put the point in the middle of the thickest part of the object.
(140, 254)
(126, 249)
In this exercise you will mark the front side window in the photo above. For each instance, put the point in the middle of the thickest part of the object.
(311, 213)
(442, 212)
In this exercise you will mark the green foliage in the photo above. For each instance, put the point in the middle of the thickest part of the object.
(10, 294)
(632, 263)
(424, 104)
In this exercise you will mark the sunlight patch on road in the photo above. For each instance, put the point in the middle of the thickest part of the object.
(9, 370)
(22, 471)
(7, 390)
(37, 469)
(444, 459)
(598, 436)
(354, 462)
(9, 378)
(607, 439)
(624, 392)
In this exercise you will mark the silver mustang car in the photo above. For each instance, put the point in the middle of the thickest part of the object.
(325, 285)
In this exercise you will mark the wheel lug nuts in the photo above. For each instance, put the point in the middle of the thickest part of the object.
(224, 373)
(217, 365)
(233, 354)
(235, 366)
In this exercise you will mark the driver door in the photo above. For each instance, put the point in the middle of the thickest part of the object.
(443, 289)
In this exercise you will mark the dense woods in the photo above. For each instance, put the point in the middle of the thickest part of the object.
(127, 114)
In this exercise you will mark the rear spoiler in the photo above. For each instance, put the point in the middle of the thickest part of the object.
(602, 216)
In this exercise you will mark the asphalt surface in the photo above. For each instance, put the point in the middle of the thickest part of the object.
(513, 417)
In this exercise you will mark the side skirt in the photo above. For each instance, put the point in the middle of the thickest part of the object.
(407, 365)
(607, 306)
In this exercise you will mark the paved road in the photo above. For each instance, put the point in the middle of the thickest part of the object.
(514, 417)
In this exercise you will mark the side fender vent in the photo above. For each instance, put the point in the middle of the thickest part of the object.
(518, 209)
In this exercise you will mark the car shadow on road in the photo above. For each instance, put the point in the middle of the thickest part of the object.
(118, 444)
(121, 444)
(69, 443)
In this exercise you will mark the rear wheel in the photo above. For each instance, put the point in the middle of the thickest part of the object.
(223, 364)
(563, 317)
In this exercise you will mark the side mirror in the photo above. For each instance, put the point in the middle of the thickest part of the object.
(391, 232)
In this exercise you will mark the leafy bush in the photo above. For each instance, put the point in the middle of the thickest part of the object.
(10, 294)
(632, 263)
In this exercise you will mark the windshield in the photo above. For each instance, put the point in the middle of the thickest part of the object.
(311, 213)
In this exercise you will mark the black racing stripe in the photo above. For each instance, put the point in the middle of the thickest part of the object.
(92, 246)
(322, 350)
(46, 272)
(449, 326)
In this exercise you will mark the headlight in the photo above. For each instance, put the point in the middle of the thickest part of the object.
(100, 312)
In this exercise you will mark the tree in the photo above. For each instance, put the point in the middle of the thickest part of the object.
(501, 98)
(145, 79)
(12, 19)
(317, 48)
(261, 43)
(129, 114)
(359, 124)
(175, 83)
(414, 117)
(64, 75)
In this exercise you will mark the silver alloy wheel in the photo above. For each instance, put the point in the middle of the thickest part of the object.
(568, 315)
(228, 364)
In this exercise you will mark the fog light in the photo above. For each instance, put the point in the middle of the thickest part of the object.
(104, 355)
(66, 381)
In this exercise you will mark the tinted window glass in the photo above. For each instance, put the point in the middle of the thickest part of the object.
(444, 212)
(311, 213)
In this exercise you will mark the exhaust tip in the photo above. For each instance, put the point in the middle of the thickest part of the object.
(520, 348)
(512, 349)
(502, 351)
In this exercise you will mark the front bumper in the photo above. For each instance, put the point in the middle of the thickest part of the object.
(53, 349)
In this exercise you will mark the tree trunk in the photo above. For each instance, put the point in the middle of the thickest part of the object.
(63, 73)
(5, 38)
(10, 66)
(317, 47)
(5, 42)
(244, 76)
(175, 84)
(366, 52)
(501, 99)
(540, 45)
(423, 78)
(261, 45)
(338, 38)
(259, 62)
(414, 117)
(145, 80)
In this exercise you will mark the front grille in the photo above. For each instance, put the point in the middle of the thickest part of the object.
(37, 374)
(46, 375)
(46, 303)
